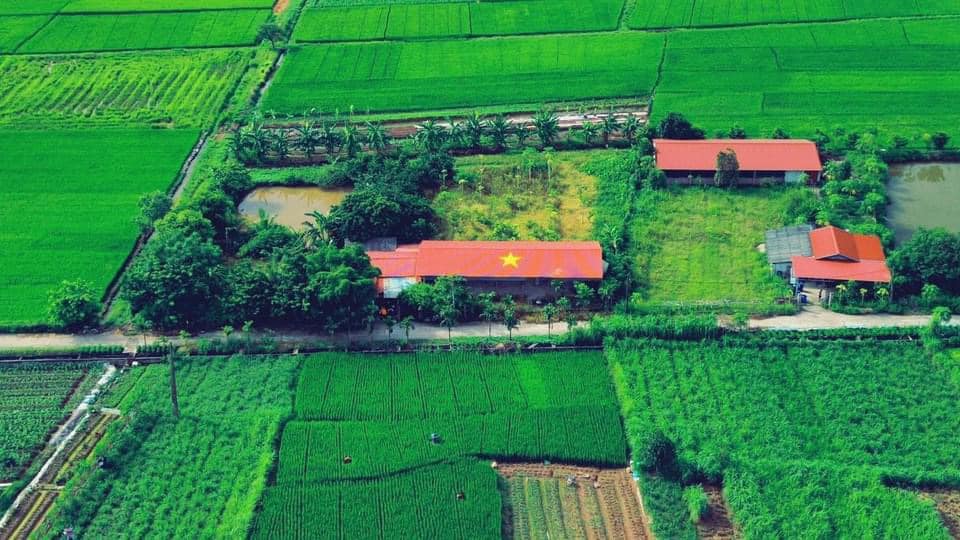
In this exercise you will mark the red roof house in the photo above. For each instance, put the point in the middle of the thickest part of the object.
(513, 261)
(758, 158)
(838, 255)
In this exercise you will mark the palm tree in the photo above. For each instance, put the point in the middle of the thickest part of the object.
(547, 126)
(457, 134)
(259, 140)
(630, 129)
(330, 137)
(351, 139)
(238, 143)
(500, 129)
(308, 138)
(523, 133)
(280, 142)
(315, 232)
(589, 130)
(430, 136)
(475, 128)
(609, 127)
(376, 137)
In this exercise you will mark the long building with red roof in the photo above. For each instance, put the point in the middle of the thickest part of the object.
(514, 267)
(781, 160)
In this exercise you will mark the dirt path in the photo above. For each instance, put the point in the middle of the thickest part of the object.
(816, 318)
(948, 504)
(717, 524)
(280, 6)
(607, 500)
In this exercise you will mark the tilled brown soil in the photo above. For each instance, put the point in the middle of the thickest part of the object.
(948, 504)
(607, 501)
(716, 525)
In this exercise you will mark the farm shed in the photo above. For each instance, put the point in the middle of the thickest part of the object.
(523, 269)
(761, 160)
(830, 255)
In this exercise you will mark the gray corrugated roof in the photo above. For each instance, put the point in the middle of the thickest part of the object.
(782, 244)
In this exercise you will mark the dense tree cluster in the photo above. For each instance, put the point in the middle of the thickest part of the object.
(928, 264)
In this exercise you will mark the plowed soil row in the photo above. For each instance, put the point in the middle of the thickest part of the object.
(948, 504)
(607, 501)
(716, 525)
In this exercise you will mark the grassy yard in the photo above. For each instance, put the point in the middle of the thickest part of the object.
(498, 190)
(699, 244)
(68, 210)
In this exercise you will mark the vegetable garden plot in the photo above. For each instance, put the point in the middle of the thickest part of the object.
(33, 400)
(78, 33)
(184, 88)
(438, 74)
(198, 476)
(95, 178)
(804, 436)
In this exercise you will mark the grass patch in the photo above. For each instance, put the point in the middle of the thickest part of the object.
(395, 76)
(497, 190)
(184, 88)
(68, 210)
(699, 244)
(77, 33)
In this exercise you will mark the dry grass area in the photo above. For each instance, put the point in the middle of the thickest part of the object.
(541, 197)
(561, 501)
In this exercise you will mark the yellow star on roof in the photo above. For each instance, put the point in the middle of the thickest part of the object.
(510, 260)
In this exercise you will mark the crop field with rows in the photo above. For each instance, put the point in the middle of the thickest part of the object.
(807, 438)
(198, 476)
(899, 76)
(364, 425)
(110, 32)
(688, 13)
(126, 6)
(33, 400)
(80, 189)
(411, 21)
(437, 74)
(182, 89)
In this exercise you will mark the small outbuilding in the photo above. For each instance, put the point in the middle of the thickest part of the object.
(783, 244)
(762, 161)
(826, 256)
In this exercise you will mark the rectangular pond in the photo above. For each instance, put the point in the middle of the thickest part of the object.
(923, 195)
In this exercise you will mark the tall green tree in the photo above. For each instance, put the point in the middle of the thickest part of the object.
(153, 206)
(376, 137)
(307, 139)
(74, 305)
(609, 127)
(500, 130)
(547, 125)
(475, 127)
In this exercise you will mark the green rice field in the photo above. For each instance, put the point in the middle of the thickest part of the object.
(412, 21)
(395, 76)
(126, 6)
(78, 33)
(31, 7)
(185, 89)
(15, 29)
(80, 191)
(692, 13)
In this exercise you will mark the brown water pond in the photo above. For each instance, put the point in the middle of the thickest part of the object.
(923, 195)
(289, 205)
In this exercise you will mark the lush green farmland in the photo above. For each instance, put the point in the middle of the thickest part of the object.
(124, 6)
(31, 7)
(69, 33)
(699, 244)
(805, 437)
(33, 400)
(14, 30)
(196, 477)
(185, 89)
(437, 74)
(687, 13)
(804, 77)
(364, 427)
(411, 21)
(80, 191)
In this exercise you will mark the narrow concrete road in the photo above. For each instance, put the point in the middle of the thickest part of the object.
(816, 318)
(421, 331)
